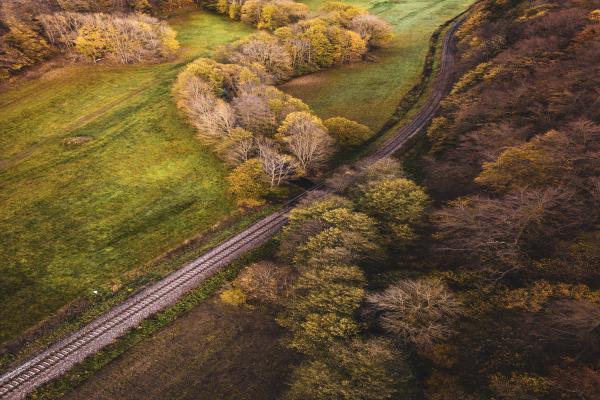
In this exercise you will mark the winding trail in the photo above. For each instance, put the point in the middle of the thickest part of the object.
(64, 354)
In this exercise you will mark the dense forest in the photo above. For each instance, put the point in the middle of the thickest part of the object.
(481, 281)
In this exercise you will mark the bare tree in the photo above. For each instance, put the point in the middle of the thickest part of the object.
(571, 323)
(496, 234)
(254, 113)
(307, 139)
(279, 167)
(213, 117)
(421, 312)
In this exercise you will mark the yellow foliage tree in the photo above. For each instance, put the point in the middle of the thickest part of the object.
(249, 183)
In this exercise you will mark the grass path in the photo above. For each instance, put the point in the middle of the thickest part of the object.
(370, 91)
(80, 218)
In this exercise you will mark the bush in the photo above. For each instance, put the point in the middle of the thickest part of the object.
(233, 297)
(265, 281)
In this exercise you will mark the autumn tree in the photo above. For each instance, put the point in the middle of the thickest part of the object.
(347, 133)
(92, 43)
(399, 203)
(307, 139)
(368, 369)
(420, 312)
(321, 308)
(248, 183)
(265, 50)
(265, 282)
(238, 146)
(374, 30)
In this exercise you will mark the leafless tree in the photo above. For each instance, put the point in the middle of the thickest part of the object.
(213, 117)
(495, 234)
(279, 167)
(571, 323)
(254, 113)
(421, 312)
(307, 139)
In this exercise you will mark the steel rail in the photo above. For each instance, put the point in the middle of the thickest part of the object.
(64, 354)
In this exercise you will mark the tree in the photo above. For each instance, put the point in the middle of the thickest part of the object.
(375, 31)
(92, 43)
(248, 183)
(366, 369)
(321, 307)
(387, 168)
(265, 281)
(265, 50)
(278, 167)
(335, 244)
(237, 147)
(346, 132)
(399, 203)
(500, 235)
(250, 11)
(342, 235)
(254, 113)
(307, 139)
(571, 324)
(420, 312)
(213, 117)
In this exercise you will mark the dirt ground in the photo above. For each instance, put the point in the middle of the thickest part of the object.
(214, 352)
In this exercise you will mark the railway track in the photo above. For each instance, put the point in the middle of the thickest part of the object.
(64, 354)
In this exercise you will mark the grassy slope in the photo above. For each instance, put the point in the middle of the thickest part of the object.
(369, 92)
(74, 219)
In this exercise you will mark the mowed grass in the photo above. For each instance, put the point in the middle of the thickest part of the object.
(79, 218)
(369, 92)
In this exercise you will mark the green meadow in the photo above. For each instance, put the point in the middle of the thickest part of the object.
(75, 218)
(369, 92)
(100, 173)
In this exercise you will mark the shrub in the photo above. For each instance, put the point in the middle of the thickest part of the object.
(233, 297)
(265, 281)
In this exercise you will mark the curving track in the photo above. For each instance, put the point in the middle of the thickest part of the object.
(64, 354)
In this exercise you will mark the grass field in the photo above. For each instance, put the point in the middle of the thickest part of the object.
(370, 91)
(77, 218)
(228, 353)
